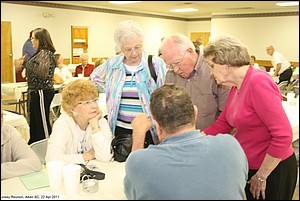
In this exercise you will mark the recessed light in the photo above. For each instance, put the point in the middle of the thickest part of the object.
(180, 10)
(123, 2)
(288, 4)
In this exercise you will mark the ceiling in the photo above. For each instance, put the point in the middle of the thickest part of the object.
(206, 8)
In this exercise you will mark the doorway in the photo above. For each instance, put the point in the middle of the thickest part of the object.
(7, 67)
(205, 37)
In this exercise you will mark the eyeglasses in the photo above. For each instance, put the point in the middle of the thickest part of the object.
(88, 102)
(177, 64)
(32, 38)
(130, 50)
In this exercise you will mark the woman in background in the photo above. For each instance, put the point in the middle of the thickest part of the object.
(61, 72)
(39, 72)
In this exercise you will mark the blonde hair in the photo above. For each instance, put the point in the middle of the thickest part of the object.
(78, 90)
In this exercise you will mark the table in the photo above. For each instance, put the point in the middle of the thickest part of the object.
(111, 188)
(19, 91)
(292, 112)
(17, 121)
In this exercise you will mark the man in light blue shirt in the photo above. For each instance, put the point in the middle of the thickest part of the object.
(186, 164)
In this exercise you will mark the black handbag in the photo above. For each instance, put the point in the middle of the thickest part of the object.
(121, 146)
(91, 174)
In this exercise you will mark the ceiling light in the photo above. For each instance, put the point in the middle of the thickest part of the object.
(288, 4)
(123, 2)
(180, 10)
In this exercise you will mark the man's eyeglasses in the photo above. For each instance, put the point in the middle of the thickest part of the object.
(130, 50)
(88, 102)
(177, 64)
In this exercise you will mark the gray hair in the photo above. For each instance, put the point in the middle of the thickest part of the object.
(227, 50)
(127, 30)
(181, 41)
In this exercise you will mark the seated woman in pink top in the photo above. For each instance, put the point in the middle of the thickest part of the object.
(255, 111)
(84, 68)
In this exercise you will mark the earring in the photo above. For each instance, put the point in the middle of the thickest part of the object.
(75, 113)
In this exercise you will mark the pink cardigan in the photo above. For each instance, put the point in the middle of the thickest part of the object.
(261, 123)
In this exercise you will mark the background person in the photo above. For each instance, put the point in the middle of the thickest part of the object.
(186, 164)
(17, 158)
(127, 81)
(254, 108)
(281, 65)
(39, 72)
(61, 72)
(253, 62)
(84, 68)
(80, 133)
(188, 69)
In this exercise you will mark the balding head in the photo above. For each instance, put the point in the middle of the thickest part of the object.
(270, 50)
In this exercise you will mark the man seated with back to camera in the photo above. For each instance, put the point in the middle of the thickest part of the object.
(186, 164)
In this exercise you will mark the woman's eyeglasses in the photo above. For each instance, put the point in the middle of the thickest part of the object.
(88, 102)
(130, 50)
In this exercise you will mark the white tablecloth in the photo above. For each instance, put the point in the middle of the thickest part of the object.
(111, 188)
(292, 112)
(19, 122)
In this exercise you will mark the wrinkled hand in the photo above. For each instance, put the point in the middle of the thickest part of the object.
(94, 121)
(90, 155)
(141, 123)
(257, 187)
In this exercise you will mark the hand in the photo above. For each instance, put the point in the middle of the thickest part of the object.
(19, 62)
(94, 120)
(141, 123)
(257, 186)
(90, 155)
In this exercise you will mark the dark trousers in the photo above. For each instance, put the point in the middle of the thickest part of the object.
(39, 110)
(281, 182)
(286, 75)
(148, 138)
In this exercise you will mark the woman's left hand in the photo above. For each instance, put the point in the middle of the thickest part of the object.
(257, 186)
(94, 121)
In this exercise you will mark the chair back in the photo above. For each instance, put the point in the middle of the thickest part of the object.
(40, 149)
(283, 87)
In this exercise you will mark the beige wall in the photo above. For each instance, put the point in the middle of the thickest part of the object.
(256, 33)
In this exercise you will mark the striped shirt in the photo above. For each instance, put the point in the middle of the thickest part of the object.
(111, 75)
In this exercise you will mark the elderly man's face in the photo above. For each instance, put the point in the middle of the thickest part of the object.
(270, 50)
(181, 62)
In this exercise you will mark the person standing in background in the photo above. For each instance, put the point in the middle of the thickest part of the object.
(84, 68)
(281, 65)
(29, 51)
(254, 108)
(39, 71)
(198, 45)
(188, 69)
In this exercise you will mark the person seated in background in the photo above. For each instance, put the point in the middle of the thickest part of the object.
(99, 61)
(84, 68)
(186, 164)
(17, 158)
(253, 63)
(61, 72)
(80, 133)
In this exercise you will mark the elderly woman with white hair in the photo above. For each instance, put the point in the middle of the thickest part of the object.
(84, 68)
(127, 81)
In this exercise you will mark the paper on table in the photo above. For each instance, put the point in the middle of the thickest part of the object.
(35, 180)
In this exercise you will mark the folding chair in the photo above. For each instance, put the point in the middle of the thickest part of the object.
(40, 149)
